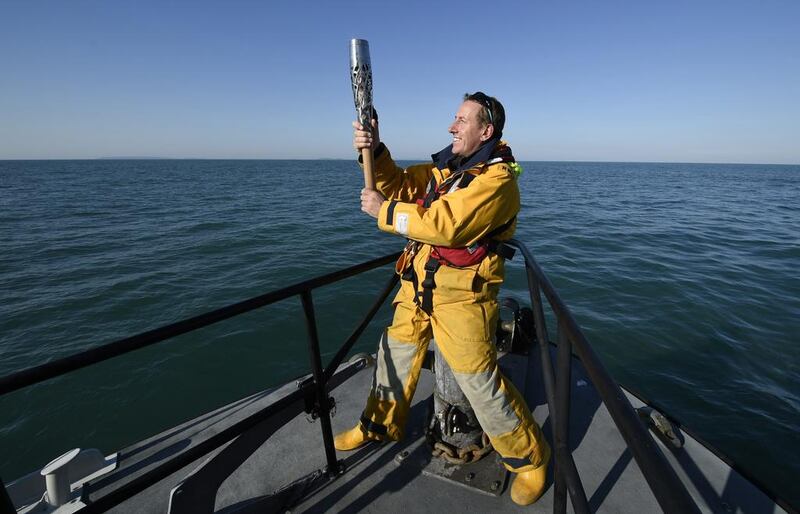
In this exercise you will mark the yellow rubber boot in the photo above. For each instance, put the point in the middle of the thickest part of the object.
(354, 438)
(529, 485)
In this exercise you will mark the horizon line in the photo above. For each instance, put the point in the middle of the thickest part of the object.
(132, 158)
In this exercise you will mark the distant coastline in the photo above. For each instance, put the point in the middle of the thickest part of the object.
(399, 159)
(130, 158)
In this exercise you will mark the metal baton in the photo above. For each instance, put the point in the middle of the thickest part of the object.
(361, 79)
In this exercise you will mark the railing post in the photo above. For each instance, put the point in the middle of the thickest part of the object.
(668, 489)
(563, 390)
(319, 383)
(541, 335)
(561, 437)
(563, 463)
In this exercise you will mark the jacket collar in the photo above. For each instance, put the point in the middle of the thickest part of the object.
(445, 158)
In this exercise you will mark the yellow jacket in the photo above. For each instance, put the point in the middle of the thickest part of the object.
(457, 219)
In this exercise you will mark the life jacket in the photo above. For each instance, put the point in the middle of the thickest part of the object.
(454, 257)
(468, 256)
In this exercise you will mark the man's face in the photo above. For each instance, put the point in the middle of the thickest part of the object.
(468, 132)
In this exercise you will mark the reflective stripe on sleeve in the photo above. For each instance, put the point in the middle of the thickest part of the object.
(390, 213)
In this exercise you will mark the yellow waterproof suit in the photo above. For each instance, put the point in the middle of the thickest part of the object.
(465, 309)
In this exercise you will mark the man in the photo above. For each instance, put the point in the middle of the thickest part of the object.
(455, 211)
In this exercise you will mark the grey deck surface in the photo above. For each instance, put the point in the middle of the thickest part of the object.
(375, 482)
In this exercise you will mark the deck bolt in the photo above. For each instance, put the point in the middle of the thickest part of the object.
(403, 454)
(495, 485)
(470, 476)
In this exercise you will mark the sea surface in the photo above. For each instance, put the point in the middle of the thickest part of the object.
(684, 277)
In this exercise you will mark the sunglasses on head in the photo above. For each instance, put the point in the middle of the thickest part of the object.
(482, 99)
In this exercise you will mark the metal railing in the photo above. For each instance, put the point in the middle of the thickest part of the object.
(311, 393)
(669, 491)
(662, 479)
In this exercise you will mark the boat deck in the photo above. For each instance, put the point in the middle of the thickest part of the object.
(382, 478)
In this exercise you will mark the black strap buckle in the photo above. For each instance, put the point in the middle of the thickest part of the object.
(432, 265)
(428, 285)
(430, 270)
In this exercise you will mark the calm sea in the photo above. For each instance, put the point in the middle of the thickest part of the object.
(685, 278)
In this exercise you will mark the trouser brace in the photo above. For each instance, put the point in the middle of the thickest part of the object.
(428, 285)
(424, 298)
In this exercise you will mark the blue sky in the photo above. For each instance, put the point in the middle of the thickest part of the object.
(607, 81)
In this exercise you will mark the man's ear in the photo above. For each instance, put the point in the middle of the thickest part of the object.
(488, 132)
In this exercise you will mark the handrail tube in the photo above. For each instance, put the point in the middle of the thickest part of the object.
(320, 389)
(559, 484)
(190, 455)
(541, 334)
(662, 479)
(575, 487)
(565, 464)
(563, 389)
(345, 348)
(49, 370)
(669, 491)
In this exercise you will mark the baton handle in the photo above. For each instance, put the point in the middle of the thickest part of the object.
(369, 168)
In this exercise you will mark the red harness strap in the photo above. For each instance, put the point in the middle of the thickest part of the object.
(455, 257)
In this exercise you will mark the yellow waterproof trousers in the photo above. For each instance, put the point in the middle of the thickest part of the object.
(462, 322)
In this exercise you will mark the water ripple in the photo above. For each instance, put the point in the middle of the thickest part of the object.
(684, 278)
